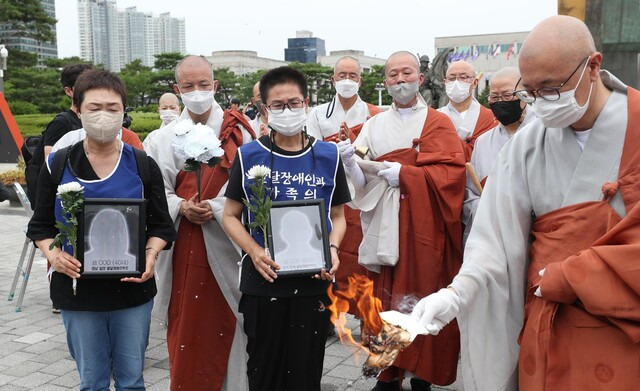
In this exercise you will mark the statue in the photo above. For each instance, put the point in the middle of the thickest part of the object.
(433, 90)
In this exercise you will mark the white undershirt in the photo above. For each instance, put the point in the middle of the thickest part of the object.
(463, 113)
(582, 137)
(405, 112)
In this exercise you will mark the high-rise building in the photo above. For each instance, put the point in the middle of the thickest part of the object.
(11, 38)
(114, 38)
(304, 48)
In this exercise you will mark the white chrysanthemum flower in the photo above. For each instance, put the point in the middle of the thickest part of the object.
(70, 187)
(199, 143)
(258, 171)
(183, 127)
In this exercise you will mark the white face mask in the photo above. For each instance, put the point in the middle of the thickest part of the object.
(458, 91)
(102, 126)
(564, 111)
(403, 93)
(288, 123)
(168, 115)
(347, 88)
(198, 102)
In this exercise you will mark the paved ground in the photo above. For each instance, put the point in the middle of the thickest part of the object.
(33, 350)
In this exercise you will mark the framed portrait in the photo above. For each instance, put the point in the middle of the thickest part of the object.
(112, 237)
(298, 237)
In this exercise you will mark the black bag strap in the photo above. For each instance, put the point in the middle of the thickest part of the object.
(71, 118)
(59, 161)
(143, 165)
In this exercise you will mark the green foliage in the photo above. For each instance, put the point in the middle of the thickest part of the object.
(138, 79)
(259, 206)
(167, 61)
(40, 87)
(483, 98)
(368, 91)
(71, 205)
(29, 19)
(20, 59)
(19, 107)
(319, 81)
(145, 122)
(59, 63)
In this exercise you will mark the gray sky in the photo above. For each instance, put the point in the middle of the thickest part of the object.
(377, 27)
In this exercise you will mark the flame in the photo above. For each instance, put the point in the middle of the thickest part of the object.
(359, 292)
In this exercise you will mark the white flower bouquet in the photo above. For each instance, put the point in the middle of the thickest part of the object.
(196, 144)
(72, 197)
(260, 202)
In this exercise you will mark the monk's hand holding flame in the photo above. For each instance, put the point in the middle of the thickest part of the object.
(437, 310)
(264, 264)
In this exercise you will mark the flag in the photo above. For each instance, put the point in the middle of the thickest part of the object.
(496, 50)
(509, 52)
(476, 52)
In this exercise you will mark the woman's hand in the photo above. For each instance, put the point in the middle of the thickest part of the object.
(196, 212)
(65, 263)
(264, 264)
(148, 270)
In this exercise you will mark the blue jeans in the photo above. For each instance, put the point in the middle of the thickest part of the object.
(110, 341)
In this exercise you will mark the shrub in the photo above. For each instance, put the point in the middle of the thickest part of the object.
(13, 175)
(145, 122)
(21, 107)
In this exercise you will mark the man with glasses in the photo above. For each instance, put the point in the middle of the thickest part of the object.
(512, 114)
(337, 120)
(197, 280)
(412, 179)
(344, 115)
(470, 118)
(548, 297)
(284, 316)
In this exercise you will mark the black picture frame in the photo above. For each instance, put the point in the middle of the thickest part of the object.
(121, 220)
(287, 233)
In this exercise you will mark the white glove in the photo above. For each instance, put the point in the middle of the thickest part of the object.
(437, 310)
(346, 153)
(538, 291)
(391, 173)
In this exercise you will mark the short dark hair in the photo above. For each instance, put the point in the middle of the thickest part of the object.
(236, 101)
(71, 72)
(98, 79)
(282, 75)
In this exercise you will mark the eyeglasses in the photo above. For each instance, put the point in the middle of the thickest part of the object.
(547, 93)
(462, 78)
(506, 97)
(293, 105)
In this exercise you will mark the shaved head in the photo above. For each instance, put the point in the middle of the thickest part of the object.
(506, 74)
(349, 62)
(558, 38)
(403, 54)
(460, 67)
(191, 63)
(256, 91)
(168, 98)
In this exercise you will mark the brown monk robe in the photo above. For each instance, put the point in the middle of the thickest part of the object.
(486, 122)
(353, 236)
(584, 333)
(432, 183)
(201, 324)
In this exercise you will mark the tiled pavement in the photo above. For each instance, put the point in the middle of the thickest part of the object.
(33, 350)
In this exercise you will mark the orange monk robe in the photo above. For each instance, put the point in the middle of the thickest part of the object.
(432, 183)
(353, 236)
(201, 323)
(486, 121)
(131, 138)
(584, 333)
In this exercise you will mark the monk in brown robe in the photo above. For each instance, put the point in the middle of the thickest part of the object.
(198, 296)
(548, 295)
(416, 164)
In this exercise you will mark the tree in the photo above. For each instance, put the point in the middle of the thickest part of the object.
(368, 91)
(483, 98)
(167, 61)
(228, 84)
(29, 19)
(319, 81)
(40, 87)
(138, 79)
(20, 59)
(59, 63)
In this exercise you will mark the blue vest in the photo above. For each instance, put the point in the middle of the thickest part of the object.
(123, 182)
(308, 175)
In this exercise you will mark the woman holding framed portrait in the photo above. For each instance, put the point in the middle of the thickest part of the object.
(283, 305)
(107, 318)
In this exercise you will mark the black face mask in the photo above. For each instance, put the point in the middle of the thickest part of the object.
(507, 112)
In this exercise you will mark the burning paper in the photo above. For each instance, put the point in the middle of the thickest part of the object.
(385, 334)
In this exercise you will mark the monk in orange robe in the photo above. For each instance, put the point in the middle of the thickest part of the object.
(548, 295)
(416, 160)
